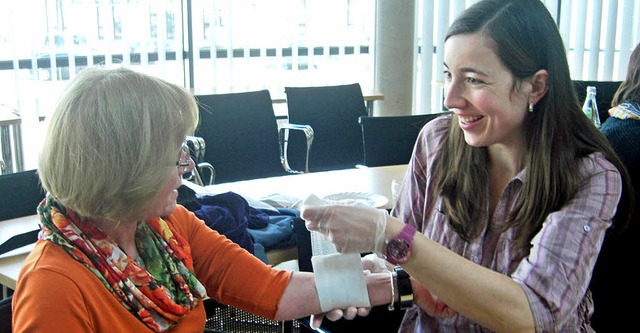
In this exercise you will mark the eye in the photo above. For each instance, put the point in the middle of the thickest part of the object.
(474, 81)
(447, 75)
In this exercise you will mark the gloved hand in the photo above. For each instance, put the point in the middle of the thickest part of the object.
(371, 263)
(351, 228)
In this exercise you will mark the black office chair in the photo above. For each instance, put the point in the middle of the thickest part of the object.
(332, 112)
(20, 195)
(5, 315)
(227, 319)
(389, 140)
(614, 282)
(241, 135)
(604, 94)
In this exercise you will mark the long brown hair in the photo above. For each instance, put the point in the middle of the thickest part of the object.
(556, 135)
(629, 90)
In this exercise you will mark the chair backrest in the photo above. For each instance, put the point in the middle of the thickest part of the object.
(5, 315)
(604, 94)
(332, 112)
(389, 140)
(241, 135)
(614, 281)
(20, 194)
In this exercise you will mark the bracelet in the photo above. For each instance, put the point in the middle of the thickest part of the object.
(393, 294)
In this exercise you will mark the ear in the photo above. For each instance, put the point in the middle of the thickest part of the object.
(539, 85)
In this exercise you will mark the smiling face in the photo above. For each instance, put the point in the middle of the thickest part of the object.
(479, 89)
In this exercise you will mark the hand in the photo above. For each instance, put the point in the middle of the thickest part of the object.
(333, 315)
(429, 302)
(353, 229)
(371, 263)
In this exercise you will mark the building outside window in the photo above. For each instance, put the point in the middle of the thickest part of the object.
(217, 46)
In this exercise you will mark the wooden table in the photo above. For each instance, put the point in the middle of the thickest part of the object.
(375, 180)
(11, 262)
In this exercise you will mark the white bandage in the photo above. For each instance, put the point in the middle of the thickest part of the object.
(340, 281)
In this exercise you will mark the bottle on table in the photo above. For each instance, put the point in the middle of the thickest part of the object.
(590, 107)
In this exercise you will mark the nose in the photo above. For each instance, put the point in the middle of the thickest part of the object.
(453, 96)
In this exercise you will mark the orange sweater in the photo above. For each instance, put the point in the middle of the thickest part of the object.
(57, 293)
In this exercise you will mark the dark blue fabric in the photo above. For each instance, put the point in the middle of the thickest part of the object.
(230, 214)
(279, 232)
(255, 230)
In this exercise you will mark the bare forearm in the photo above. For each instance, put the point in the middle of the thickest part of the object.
(300, 298)
(487, 297)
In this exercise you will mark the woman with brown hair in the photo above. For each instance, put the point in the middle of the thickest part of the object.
(505, 204)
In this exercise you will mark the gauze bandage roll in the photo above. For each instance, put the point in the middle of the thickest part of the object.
(340, 281)
(319, 244)
(339, 277)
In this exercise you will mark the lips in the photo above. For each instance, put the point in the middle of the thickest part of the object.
(469, 119)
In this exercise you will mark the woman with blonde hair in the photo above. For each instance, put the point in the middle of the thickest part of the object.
(116, 253)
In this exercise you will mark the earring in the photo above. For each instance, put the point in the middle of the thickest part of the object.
(530, 107)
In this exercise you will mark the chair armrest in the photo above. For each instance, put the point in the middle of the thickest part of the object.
(197, 148)
(283, 140)
(212, 173)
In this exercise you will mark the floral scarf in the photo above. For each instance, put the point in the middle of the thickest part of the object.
(626, 110)
(160, 294)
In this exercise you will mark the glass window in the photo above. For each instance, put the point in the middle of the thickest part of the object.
(238, 45)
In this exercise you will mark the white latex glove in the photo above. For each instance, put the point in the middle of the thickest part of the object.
(371, 263)
(351, 228)
(374, 264)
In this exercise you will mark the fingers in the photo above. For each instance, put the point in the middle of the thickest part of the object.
(316, 320)
(350, 313)
(334, 315)
(374, 264)
(311, 225)
(308, 213)
(363, 312)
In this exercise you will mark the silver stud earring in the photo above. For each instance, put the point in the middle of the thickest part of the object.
(530, 107)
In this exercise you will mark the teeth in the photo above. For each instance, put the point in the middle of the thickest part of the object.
(469, 119)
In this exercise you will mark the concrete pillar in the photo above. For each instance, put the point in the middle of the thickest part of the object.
(395, 56)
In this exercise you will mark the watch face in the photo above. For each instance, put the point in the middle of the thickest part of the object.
(398, 251)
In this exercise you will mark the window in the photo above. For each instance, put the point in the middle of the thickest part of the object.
(599, 37)
(237, 45)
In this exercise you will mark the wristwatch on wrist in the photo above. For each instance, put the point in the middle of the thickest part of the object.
(399, 247)
(405, 291)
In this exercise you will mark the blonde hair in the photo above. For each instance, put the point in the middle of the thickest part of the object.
(113, 141)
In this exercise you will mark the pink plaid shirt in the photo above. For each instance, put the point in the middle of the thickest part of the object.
(555, 275)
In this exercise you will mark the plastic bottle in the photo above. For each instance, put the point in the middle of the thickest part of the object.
(590, 106)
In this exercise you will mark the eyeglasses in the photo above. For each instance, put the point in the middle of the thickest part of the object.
(184, 159)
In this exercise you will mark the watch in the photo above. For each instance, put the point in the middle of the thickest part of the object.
(399, 247)
(405, 291)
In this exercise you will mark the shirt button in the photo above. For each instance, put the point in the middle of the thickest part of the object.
(586, 228)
